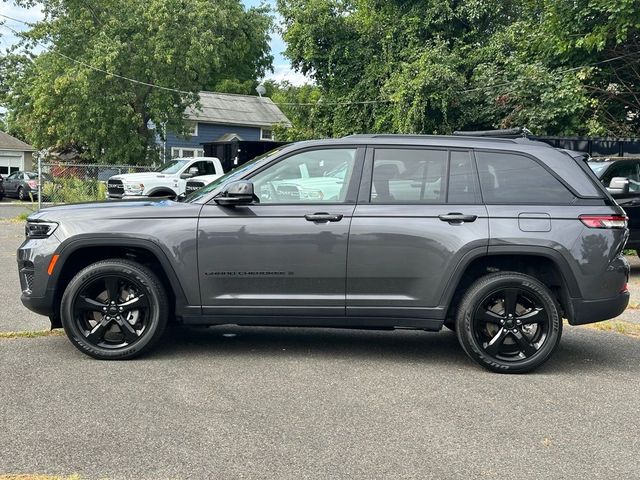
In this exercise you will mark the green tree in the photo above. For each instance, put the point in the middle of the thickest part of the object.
(427, 66)
(61, 97)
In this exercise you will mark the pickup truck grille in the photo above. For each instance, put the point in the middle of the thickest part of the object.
(115, 187)
(193, 186)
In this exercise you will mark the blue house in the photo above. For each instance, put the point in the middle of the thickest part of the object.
(223, 117)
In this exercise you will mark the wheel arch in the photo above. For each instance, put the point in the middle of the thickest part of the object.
(545, 264)
(162, 191)
(79, 253)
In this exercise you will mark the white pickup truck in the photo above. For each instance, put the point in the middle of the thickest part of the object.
(169, 180)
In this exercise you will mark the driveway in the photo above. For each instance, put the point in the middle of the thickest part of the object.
(227, 402)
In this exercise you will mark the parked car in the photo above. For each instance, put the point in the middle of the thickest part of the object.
(168, 181)
(622, 179)
(497, 239)
(23, 185)
(1, 187)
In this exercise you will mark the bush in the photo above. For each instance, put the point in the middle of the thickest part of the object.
(73, 190)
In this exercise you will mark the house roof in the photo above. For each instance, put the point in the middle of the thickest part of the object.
(7, 142)
(232, 109)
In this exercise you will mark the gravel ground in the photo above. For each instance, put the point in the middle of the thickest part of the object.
(285, 403)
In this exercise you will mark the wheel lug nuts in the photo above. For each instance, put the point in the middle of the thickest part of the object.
(120, 308)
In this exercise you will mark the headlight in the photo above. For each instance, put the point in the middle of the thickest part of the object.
(39, 229)
(134, 187)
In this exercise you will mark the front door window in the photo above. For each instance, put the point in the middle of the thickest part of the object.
(318, 176)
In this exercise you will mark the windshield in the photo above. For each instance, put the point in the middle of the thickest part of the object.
(232, 174)
(598, 167)
(173, 166)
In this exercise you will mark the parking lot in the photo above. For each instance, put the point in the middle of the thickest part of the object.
(227, 402)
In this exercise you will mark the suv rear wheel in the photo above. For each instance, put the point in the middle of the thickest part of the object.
(114, 309)
(509, 322)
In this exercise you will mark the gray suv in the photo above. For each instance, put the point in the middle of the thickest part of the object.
(497, 239)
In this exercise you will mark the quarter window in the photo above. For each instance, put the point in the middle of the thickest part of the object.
(513, 178)
(318, 176)
(409, 176)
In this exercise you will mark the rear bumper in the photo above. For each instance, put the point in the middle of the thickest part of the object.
(591, 311)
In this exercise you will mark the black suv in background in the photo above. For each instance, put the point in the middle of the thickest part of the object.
(497, 239)
(621, 177)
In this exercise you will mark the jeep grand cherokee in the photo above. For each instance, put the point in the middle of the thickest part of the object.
(497, 239)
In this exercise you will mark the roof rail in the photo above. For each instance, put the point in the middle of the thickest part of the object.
(499, 133)
(435, 137)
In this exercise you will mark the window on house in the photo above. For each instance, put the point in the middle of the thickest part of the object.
(266, 134)
(192, 128)
(179, 152)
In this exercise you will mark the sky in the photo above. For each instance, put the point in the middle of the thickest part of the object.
(281, 66)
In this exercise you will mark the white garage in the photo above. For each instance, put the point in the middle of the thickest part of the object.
(14, 155)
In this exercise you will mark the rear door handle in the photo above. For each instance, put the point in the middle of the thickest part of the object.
(323, 217)
(456, 217)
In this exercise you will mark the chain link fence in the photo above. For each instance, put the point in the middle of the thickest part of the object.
(75, 182)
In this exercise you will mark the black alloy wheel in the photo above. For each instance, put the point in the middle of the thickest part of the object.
(509, 322)
(114, 309)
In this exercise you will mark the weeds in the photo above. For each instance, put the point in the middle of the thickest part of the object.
(30, 334)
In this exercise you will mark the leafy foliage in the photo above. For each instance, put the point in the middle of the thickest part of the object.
(428, 66)
(60, 97)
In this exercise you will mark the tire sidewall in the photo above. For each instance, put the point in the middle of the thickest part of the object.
(478, 292)
(157, 310)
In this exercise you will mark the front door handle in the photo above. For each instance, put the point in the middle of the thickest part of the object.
(323, 217)
(456, 217)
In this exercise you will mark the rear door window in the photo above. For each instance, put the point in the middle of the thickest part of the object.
(409, 176)
(462, 178)
(516, 179)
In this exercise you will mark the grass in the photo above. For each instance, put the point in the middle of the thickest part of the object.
(37, 477)
(617, 326)
(30, 334)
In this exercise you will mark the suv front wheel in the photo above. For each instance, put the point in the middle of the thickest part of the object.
(114, 309)
(509, 322)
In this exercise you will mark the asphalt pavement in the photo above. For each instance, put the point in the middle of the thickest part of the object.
(230, 402)
(11, 208)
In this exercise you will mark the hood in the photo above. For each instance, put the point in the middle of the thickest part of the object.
(136, 177)
(119, 209)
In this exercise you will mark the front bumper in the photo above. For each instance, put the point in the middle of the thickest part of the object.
(591, 311)
(33, 257)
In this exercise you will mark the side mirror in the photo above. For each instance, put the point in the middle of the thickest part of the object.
(193, 172)
(619, 185)
(237, 193)
(181, 197)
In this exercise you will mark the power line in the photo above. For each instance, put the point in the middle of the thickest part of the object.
(319, 103)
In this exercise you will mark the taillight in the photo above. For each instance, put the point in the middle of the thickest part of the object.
(604, 221)
(33, 184)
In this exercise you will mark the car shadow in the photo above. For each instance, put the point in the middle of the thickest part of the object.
(580, 351)
(403, 345)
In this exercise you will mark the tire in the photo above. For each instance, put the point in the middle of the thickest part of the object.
(509, 322)
(21, 195)
(114, 310)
